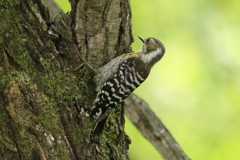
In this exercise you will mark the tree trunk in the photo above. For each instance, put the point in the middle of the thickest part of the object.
(46, 89)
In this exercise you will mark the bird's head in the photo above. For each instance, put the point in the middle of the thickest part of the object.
(152, 50)
(151, 44)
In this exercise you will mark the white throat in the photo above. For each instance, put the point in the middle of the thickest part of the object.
(146, 58)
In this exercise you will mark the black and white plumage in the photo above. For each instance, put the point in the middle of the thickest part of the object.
(120, 77)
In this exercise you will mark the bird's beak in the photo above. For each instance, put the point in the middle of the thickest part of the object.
(142, 39)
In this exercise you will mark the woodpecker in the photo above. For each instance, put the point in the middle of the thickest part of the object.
(120, 77)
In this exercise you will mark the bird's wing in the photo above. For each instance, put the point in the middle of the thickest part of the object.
(109, 69)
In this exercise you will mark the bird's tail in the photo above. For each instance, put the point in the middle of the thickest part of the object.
(99, 126)
(99, 115)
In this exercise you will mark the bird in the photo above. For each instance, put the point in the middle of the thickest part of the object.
(117, 79)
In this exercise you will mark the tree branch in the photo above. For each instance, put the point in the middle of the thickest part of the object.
(151, 127)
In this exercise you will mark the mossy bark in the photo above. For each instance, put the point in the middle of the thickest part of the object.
(46, 89)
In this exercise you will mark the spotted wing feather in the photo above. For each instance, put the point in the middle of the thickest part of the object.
(108, 70)
(119, 84)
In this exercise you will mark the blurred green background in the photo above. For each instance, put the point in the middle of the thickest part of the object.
(195, 89)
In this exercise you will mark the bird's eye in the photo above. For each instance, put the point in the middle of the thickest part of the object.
(147, 40)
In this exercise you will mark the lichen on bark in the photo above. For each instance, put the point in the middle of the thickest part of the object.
(46, 92)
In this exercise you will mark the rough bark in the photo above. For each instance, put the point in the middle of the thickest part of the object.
(46, 90)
